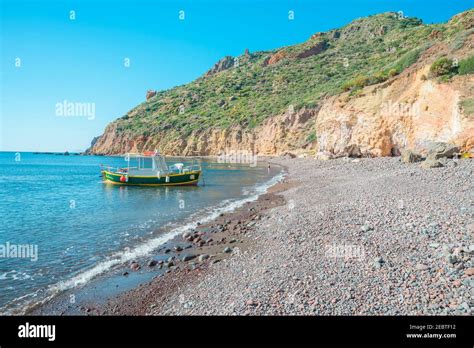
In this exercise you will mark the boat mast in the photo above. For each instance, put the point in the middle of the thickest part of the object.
(128, 163)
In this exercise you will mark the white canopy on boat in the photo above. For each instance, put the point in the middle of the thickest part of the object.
(148, 163)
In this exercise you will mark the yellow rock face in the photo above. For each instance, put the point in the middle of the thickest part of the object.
(404, 113)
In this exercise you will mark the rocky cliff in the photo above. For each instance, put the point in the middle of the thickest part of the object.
(381, 99)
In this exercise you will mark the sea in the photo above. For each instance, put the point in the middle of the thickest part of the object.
(62, 226)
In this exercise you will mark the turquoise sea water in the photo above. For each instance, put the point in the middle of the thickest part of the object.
(81, 227)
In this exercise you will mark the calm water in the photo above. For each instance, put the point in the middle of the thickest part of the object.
(83, 227)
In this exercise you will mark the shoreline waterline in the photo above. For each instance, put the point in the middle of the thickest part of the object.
(119, 260)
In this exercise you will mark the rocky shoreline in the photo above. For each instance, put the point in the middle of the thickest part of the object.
(340, 237)
(193, 255)
(178, 258)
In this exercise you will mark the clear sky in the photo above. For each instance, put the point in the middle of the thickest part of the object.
(47, 58)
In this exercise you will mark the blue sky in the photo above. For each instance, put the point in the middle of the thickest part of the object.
(82, 60)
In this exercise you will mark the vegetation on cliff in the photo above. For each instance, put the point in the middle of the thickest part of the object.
(245, 90)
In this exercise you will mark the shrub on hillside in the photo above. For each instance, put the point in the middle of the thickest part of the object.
(404, 62)
(360, 81)
(407, 60)
(393, 72)
(466, 66)
(461, 39)
(311, 137)
(442, 66)
(468, 106)
(380, 76)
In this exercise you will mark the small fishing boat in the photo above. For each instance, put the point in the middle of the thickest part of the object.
(150, 169)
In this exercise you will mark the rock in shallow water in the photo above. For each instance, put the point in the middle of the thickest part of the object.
(134, 266)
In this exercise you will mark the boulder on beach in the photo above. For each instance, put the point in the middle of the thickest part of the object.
(289, 155)
(188, 258)
(431, 163)
(410, 156)
(353, 151)
(441, 150)
(324, 155)
(186, 235)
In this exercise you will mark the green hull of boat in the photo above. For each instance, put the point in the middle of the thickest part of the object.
(189, 178)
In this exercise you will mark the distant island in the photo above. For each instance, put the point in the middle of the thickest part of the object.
(66, 153)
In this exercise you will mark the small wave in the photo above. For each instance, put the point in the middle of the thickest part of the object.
(15, 275)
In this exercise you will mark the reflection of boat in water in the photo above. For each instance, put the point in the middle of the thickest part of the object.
(150, 169)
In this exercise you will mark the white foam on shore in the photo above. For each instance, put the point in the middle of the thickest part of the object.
(142, 250)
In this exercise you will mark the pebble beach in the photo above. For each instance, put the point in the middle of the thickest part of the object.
(340, 237)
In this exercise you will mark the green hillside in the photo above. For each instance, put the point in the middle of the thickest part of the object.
(245, 90)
